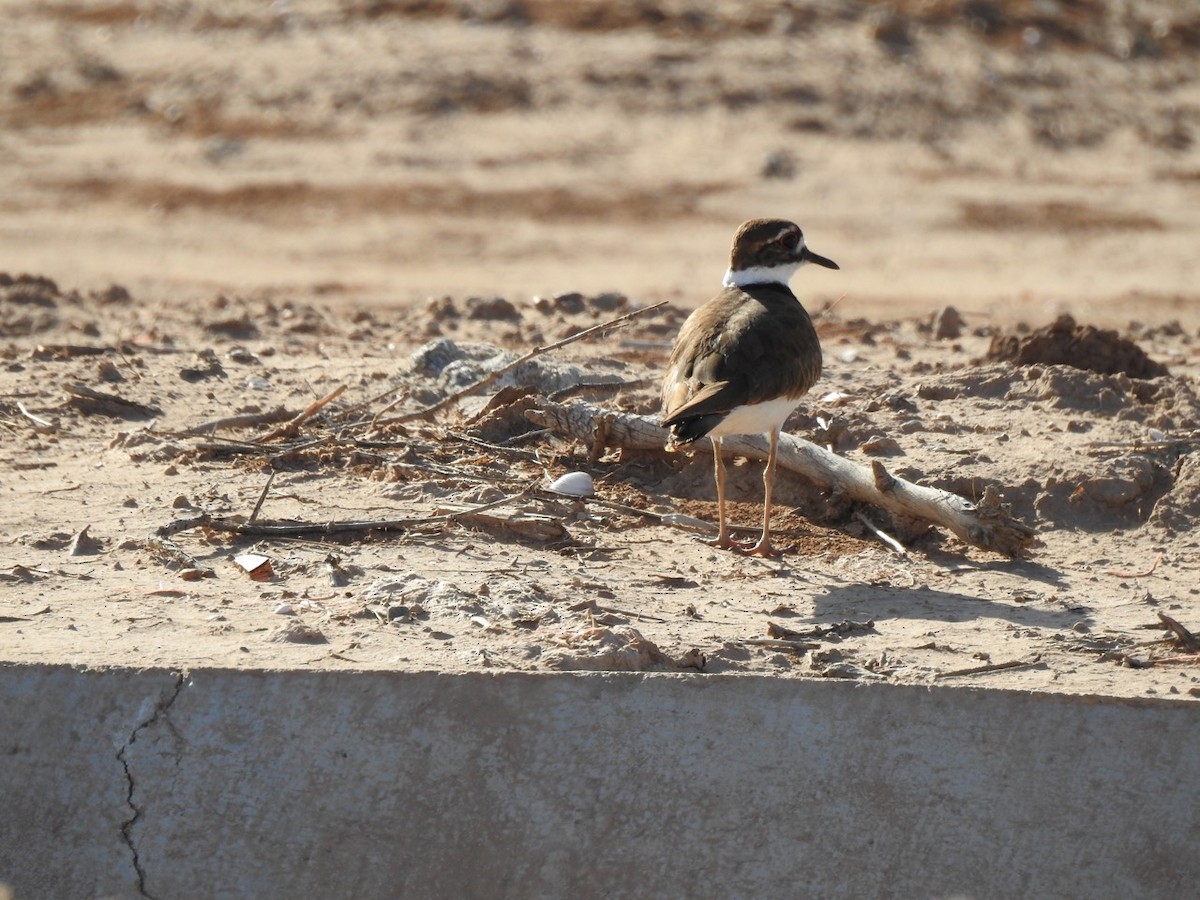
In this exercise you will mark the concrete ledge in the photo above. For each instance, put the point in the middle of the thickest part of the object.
(229, 783)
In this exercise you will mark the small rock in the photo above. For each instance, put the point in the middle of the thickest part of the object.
(879, 445)
(112, 294)
(778, 164)
(609, 301)
(948, 323)
(571, 302)
(491, 308)
(107, 371)
(299, 633)
(892, 31)
(83, 544)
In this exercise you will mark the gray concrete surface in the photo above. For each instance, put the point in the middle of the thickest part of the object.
(387, 784)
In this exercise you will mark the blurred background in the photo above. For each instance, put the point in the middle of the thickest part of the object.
(1015, 159)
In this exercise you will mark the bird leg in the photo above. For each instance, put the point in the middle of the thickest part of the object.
(723, 540)
(763, 547)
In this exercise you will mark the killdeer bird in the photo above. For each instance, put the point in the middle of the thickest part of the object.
(744, 359)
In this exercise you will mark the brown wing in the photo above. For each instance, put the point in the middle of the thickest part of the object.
(746, 345)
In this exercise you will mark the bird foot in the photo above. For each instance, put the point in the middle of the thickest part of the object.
(763, 548)
(725, 542)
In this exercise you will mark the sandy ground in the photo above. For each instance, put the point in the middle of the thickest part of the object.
(234, 214)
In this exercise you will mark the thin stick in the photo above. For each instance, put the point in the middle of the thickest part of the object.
(1150, 571)
(246, 420)
(234, 448)
(88, 400)
(504, 370)
(596, 607)
(779, 644)
(39, 423)
(288, 429)
(467, 439)
(990, 667)
(828, 308)
(59, 490)
(1189, 659)
(882, 535)
(298, 529)
(261, 498)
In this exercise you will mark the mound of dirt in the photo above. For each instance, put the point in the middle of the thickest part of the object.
(1063, 342)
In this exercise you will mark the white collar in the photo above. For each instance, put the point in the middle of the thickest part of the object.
(761, 275)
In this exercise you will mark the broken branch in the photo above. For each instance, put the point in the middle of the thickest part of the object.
(986, 524)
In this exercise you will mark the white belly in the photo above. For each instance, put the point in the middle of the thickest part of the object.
(756, 418)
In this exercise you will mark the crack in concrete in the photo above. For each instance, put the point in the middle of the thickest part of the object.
(160, 710)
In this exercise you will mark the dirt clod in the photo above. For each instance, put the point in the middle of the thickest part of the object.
(1064, 342)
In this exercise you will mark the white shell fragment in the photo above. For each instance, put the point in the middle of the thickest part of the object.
(574, 484)
(248, 562)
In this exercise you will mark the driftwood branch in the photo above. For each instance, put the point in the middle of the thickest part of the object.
(986, 524)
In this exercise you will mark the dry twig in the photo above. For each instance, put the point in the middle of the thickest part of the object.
(881, 534)
(261, 498)
(289, 429)
(781, 644)
(991, 667)
(39, 424)
(1150, 571)
(88, 400)
(246, 420)
(301, 529)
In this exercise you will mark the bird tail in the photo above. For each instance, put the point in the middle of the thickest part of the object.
(688, 431)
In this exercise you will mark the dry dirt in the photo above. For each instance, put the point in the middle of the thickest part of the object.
(233, 214)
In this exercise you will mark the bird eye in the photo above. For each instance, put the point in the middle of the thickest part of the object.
(789, 240)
